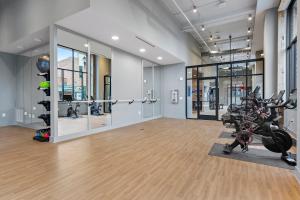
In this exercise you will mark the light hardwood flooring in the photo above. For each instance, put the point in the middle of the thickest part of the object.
(160, 159)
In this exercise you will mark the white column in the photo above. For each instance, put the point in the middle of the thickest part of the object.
(298, 87)
(270, 51)
(53, 83)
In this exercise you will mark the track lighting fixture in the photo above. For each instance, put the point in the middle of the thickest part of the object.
(215, 44)
(248, 39)
(249, 30)
(211, 37)
(203, 28)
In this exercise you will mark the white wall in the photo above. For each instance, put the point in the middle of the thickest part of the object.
(150, 20)
(20, 18)
(171, 75)
(7, 88)
(270, 51)
(126, 84)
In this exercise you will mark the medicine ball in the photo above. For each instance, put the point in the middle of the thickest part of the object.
(43, 64)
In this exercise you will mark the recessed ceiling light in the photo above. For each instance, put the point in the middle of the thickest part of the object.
(142, 50)
(194, 9)
(86, 45)
(115, 38)
(37, 40)
(159, 58)
(249, 30)
(203, 28)
(249, 17)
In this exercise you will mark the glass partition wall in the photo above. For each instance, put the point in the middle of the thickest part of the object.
(211, 88)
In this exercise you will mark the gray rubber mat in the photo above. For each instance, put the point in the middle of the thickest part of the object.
(227, 135)
(258, 156)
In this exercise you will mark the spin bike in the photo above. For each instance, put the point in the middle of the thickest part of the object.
(261, 122)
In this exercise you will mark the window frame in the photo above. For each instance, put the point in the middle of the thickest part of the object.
(291, 50)
(73, 75)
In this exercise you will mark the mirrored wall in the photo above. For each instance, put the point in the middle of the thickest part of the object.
(151, 90)
(84, 84)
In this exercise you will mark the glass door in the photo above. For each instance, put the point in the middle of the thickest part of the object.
(207, 98)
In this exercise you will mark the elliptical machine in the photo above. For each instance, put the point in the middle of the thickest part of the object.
(261, 122)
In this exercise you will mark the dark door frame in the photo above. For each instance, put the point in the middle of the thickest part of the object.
(217, 81)
(207, 117)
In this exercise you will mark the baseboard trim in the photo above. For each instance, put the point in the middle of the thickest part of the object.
(96, 131)
(8, 124)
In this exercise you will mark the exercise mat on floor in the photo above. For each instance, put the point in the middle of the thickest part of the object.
(227, 135)
(258, 156)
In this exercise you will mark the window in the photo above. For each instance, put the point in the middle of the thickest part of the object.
(291, 51)
(72, 74)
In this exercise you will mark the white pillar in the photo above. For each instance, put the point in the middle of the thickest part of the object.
(270, 51)
(298, 96)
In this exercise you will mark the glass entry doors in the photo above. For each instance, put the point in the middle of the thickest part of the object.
(212, 88)
(208, 101)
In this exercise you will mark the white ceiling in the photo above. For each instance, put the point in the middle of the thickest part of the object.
(220, 21)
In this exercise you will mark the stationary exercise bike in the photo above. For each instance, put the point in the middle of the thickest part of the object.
(261, 122)
(72, 112)
(95, 108)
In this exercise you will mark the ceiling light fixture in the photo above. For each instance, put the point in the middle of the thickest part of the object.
(215, 44)
(249, 30)
(203, 28)
(248, 39)
(250, 17)
(262, 55)
(142, 50)
(115, 38)
(211, 37)
(20, 47)
(159, 58)
(86, 45)
(213, 52)
(194, 9)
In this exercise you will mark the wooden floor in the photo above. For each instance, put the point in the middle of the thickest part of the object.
(161, 159)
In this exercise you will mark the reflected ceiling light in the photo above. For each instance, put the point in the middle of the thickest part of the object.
(211, 37)
(142, 50)
(203, 28)
(37, 40)
(249, 30)
(213, 51)
(262, 55)
(194, 9)
(86, 45)
(159, 58)
(115, 38)
(250, 17)
(248, 39)
(215, 44)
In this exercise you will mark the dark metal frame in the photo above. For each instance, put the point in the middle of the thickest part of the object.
(291, 50)
(231, 76)
(104, 93)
